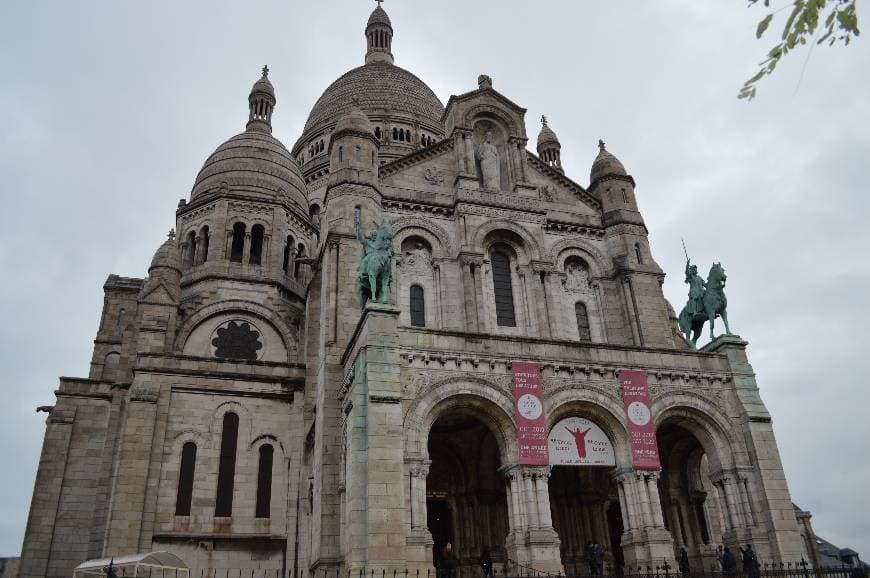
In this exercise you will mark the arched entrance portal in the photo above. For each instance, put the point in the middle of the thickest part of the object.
(465, 496)
(689, 501)
(584, 498)
(585, 505)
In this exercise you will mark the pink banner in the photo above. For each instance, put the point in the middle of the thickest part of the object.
(531, 421)
(641, 427)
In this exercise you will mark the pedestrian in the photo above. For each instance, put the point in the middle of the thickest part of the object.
(448, 561)
(685, 570)
(486, 563)
(729, 562)
(719, 553)
(598, 556)
(590, 556)
(750, 562)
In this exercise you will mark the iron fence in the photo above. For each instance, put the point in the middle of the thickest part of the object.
(515, 570)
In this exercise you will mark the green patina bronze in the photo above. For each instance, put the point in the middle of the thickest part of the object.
(375, 269)
(706, 302)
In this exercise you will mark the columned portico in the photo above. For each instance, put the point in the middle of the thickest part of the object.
(645, 540)
(532, 541)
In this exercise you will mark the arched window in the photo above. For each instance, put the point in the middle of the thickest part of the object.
(378, 132)
(190, 258)
(314, 212)
(407, 136)
(238, 246)
(184, 497)
(340, 154)
(638, 254)
(395, 134)
(288, 253)
(503, 289)
(300, 252)
(120, 321)
(227, 466)
(582, 322)
(257, 233)
(264, 482)
(205, 242)
(418, 306)
(356, 153)
(321, 145)
(110, 366)
(624, 196)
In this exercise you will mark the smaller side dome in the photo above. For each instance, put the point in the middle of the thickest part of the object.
(167, 256)
(546, 136)
(549, 149)
(605, 165)
(379, 16)
(354, 120)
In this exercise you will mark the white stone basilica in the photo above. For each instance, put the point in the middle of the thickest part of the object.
(244, 412)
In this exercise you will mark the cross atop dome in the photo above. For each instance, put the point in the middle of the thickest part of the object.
(601, 147)
(265, 71)
(544, 120)
(379, 2)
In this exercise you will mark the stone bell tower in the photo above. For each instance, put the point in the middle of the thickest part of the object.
(627, 238)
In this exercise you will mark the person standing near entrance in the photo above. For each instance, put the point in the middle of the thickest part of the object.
(685, 570)
(448, 562)
(729, 562)
(486, 563)
(750, 562)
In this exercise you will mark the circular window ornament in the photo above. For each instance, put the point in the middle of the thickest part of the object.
(530, 407)
(237, 339)
(639, 413)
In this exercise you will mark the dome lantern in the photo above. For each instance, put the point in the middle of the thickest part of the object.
(549, 148)
(261, 103)
(379, 36)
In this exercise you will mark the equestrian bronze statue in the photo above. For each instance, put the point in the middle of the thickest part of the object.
(375, 269)
(706, 302)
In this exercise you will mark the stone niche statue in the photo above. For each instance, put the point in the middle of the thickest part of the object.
(490, 169)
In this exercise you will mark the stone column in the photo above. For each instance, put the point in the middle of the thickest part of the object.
(197, 257)
(246, 253)
(552, 287)
(469, 288)
(532, 541)
(648, 543)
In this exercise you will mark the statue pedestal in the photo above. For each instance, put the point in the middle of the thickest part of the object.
(725, 341)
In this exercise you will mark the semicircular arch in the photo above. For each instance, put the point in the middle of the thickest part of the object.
(477, 397)
(436, 236)
(704, 421)
(605, 412)
(531, 247)
(598, 263)
(287, 334)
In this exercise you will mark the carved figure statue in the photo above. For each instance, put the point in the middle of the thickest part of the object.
(576, 278)
(487, 154)
(375, 269)
(706, 302)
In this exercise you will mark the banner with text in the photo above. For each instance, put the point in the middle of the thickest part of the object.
(577, 441)
(641, 428)
(531, 421)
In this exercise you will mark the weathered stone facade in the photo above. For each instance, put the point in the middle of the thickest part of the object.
(243, 412)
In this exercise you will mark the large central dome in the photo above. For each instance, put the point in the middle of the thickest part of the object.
(381, 87)
(405, 113)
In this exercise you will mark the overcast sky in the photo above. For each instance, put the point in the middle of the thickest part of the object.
(108, 109)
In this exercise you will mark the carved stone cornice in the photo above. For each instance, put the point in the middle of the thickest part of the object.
(578, 191)
(500, 213)
(414, 158)
(500, 199)
(564, 228)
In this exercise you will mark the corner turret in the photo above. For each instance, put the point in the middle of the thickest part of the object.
(549, 147)
(610, 181)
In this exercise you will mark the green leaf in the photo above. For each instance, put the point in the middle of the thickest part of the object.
(762, 26)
